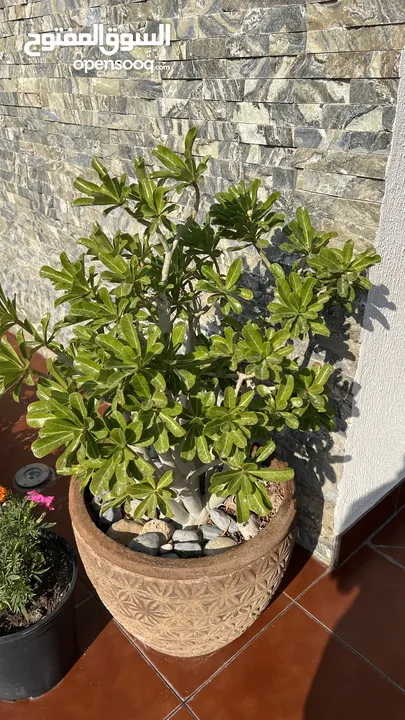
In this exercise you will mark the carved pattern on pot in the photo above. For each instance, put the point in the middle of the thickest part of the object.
(189, 617)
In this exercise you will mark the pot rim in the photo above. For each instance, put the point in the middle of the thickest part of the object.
(40, 626)
(265, 542)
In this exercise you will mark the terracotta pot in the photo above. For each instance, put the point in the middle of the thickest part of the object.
(186, 607)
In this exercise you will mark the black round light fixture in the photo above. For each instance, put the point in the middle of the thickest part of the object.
(33, 476)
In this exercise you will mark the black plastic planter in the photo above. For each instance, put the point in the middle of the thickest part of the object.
(36, 659)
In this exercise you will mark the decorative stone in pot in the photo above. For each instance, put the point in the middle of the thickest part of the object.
(187, 607)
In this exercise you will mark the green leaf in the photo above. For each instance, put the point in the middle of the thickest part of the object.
(140, 385)
(245, 293)
(233, 273)
(171, 424)
(323, 373)
(99, 168)
(270, 475)
(284, 392)
(259, 504)
(203, 451)
(47, 445)
(37, 414)
(347, 252)
(162, 442)
(320, 329)
(168, 158)
(102, 477)
(242, 508)
(253, 338)
(115, 263)
(343, 287)
(229, 398)
(186, 377)
(190, 139)
(165, 480)
(110, 344)
(245, 399)
(86, 187)
(265, 451)
(129, 332)
(85, 365)
(77, 403)
(307, 291)
(277, 271)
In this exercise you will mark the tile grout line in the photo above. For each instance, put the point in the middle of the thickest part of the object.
(150, 663)
(79, 604)
(368, 540)
(324, 574)
(239, 652)
(191, 711)
(386, 557)
(397, 506)
(349, 647)
(175, 711)
(387, 522)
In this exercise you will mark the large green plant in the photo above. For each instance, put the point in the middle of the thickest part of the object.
(145, 402)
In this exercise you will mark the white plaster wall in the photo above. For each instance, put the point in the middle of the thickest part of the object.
(375, 448)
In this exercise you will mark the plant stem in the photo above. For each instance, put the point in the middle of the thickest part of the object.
(203, 469)
(40, 373)
(264, 258)
(308, 352)
(197, 199)
(241, 379)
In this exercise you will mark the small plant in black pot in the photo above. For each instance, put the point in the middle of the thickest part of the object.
(37, 577)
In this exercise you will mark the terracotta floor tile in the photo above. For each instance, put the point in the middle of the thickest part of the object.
(296, 670)
(13, 428)
(38, 361)
(187, 674)
(110, 679)
(302, 571)
(363, 602)
(91, 619)
(16, 456)
(355, 536)
(15, 443)
(392, 534)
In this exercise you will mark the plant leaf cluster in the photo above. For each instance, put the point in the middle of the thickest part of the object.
(143, 400)
(22, 560)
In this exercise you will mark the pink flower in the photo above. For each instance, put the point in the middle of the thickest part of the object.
(38, 499)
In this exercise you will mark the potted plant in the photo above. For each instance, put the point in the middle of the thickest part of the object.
(37, 577)
(166, 389)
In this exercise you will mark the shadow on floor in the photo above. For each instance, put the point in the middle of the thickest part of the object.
(362, 602)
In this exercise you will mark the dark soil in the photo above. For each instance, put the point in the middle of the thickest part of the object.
(49, 591)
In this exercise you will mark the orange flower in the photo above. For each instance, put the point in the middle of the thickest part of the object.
(3, 493)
